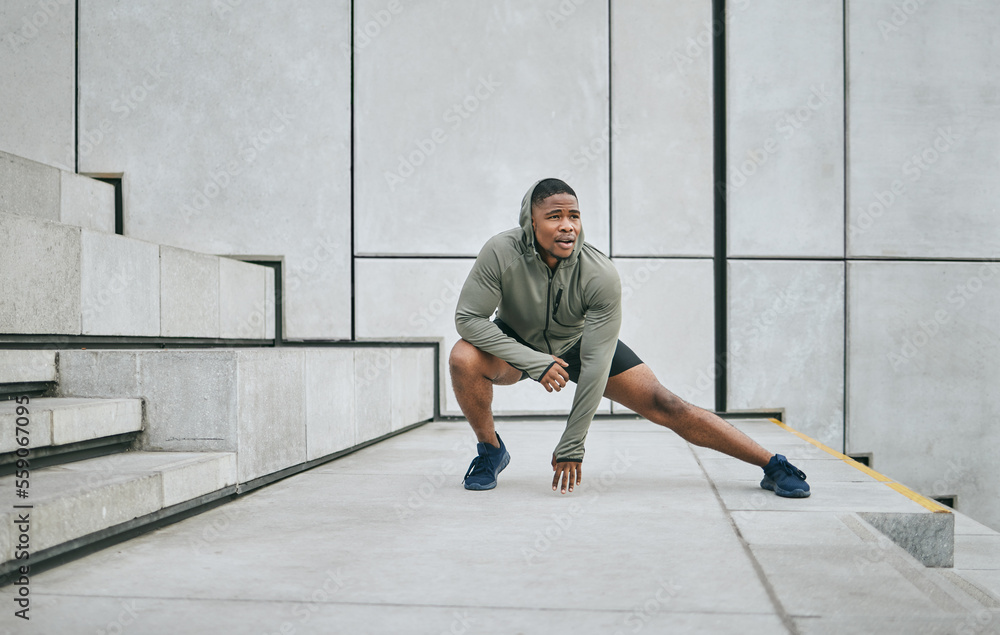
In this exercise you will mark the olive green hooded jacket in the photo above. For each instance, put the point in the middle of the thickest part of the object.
(549, 309)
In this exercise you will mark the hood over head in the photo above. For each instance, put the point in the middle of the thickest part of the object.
(529, 232)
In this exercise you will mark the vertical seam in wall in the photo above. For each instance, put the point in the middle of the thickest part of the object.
(611, 139)
(76, 87)
(847, 148)
(719, 199)
(354, 316)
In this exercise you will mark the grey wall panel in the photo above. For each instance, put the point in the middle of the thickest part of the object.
(415, 299)
(37, 69)
(786, 343)
(923, 347)
(231, 122)
(924, 129)
(460, 106)
(662, 152)
(785, 128)
(668, 320)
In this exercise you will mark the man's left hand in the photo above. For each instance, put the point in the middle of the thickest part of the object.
(571, 472)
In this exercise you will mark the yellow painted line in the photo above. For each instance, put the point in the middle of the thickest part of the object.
(932, 505)
(927, 503)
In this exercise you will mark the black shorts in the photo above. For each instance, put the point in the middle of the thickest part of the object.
(623, 360)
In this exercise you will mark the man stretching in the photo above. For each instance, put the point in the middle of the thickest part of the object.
(559, 302)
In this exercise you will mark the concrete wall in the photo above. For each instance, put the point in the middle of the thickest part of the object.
(37, 72)
(262, 94)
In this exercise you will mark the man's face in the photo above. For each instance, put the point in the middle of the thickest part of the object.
(556, 221)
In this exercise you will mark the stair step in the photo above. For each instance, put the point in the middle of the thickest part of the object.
(69, 502)
(23, 367)
(56, 421)
(64, 280)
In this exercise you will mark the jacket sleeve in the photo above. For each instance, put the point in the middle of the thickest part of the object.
(597, 349)
(479, 299)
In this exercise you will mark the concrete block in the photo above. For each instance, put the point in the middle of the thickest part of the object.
(923, 130)
(272, 412)
(107, 374)
(39, 277)
(412, 386)
(675, 339)
(373, 392)
(120, 291)
(330, 412)
(475, 105)
(227, 194)
(786, 343)
(194, 476)
(922, 337)
(242, 309)
(663, 126)
(930, 537)
(189, 293)
(84, 419)
(28, 188)
(785, 129)
(191, 400)
(27, 366)
(38, 71)
(86, 202)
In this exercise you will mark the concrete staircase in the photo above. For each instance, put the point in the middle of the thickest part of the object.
(139, 384)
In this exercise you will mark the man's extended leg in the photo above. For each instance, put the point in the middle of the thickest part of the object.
(638, 389)
(473, 374)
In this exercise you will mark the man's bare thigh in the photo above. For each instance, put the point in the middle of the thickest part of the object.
(488, 365)
(635, 388)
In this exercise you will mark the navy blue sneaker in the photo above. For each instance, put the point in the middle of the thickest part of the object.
(784, 479)
(484, 468)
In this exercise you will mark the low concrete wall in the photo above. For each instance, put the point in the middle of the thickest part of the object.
(275, 408)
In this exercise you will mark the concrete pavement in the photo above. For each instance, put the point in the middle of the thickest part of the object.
(659, 538)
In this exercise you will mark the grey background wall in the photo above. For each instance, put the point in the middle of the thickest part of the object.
(861, 139)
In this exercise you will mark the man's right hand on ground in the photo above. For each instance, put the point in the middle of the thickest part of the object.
(555, 377)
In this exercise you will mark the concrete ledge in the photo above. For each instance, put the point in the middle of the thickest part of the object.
(928, 537)
(77, 499)
(242, 307)
(274, 407)
(120, 285)
(39, 276)
(18, 367)
(189, 293)
(86, 202)
(28, 188)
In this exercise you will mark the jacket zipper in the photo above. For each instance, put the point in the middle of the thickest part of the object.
(548, 298)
